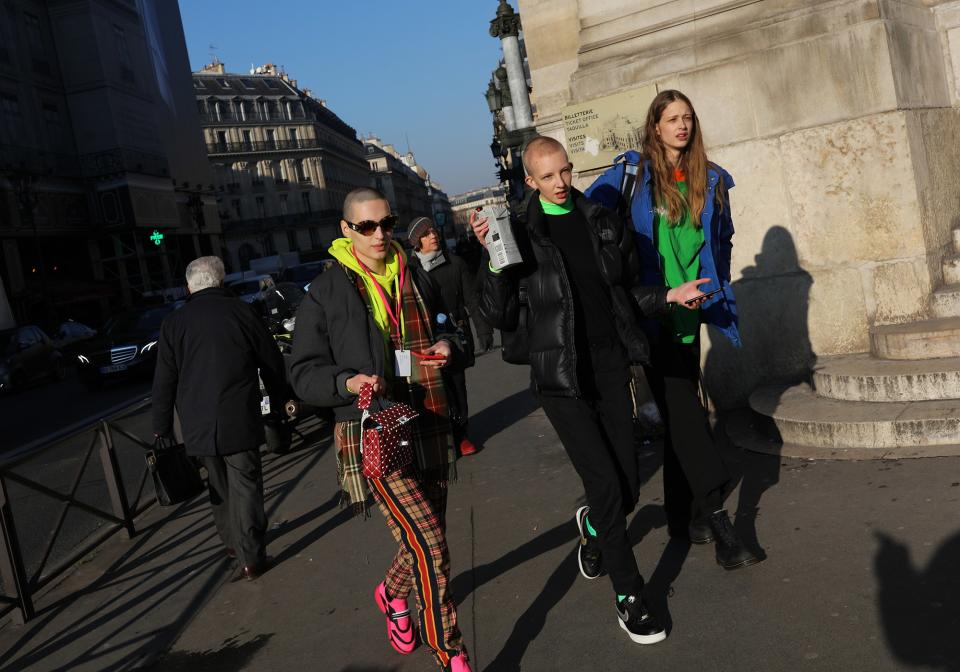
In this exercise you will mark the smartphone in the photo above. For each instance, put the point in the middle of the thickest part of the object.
(424, 355)
(703, 297)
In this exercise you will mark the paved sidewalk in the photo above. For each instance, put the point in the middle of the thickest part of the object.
(862, 571)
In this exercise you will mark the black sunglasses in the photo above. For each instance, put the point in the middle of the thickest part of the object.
(368, 226)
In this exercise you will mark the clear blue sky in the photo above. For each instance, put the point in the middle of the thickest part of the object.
(397, 68)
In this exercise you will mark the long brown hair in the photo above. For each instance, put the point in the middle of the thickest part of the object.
(693, 162)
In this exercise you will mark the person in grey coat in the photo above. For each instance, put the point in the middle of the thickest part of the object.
(208, 357)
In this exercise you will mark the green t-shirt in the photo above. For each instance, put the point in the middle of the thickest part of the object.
(679, 246)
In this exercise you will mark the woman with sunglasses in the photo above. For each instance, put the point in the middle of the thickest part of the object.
(359, 325)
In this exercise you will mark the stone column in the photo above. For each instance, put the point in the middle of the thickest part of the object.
(506, 27)
(500, 79)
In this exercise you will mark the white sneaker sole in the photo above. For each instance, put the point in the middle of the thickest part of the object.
(643, 639)
(579, 561)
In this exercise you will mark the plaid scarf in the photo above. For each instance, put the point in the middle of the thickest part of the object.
(434, 452)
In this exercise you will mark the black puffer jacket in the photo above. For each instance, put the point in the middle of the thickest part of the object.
(337, 338)
(553, 357)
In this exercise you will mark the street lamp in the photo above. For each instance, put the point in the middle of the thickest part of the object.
(493, 98)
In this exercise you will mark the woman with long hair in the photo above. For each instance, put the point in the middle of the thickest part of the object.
(680, 209)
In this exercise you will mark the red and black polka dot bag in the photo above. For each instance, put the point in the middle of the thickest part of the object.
(385, 435)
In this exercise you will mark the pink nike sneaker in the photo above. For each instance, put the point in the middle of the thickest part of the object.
(399, 624)
(459, 663)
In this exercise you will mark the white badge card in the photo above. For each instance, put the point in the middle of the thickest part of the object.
(401, 363)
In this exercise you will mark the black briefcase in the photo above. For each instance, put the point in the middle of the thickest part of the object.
(175, 476)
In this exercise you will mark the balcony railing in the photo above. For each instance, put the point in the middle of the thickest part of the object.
(227, 117)
(262, 146)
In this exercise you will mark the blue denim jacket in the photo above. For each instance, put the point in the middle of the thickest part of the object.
(720, 310)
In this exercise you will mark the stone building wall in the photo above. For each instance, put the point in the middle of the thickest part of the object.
(839, 121)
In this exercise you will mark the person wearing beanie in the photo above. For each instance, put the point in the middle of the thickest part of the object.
(451, 273)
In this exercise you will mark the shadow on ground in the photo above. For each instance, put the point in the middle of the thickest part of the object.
(920, 606)
(174, 566)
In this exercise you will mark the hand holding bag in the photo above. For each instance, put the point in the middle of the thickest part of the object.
(385, 435)
(176, 478)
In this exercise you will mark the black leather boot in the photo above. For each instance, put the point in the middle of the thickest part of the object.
(731, 553)
(699, 531)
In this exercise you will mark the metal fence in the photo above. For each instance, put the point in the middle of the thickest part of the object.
(56, 505)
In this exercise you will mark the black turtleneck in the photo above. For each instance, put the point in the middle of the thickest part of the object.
(592, 305)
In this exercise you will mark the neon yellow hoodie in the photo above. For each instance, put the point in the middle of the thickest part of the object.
(342, 251)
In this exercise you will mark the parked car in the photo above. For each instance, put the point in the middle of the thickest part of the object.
(304, 274)
(69, 336)
(126, 346)
(252, 289)
(27, 354)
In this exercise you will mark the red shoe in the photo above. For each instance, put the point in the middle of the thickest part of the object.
(400, 632)
(467, 448)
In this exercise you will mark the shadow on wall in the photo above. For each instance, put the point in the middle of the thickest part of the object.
(920, 607)
(773, 298)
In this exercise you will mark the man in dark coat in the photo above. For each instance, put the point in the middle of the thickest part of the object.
(450, 272)
(208, 356)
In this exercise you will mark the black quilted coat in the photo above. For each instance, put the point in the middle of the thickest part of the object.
(553, 357)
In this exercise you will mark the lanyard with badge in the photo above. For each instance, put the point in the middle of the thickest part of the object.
(401, 356)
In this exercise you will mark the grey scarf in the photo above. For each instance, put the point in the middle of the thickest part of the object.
(431, 260)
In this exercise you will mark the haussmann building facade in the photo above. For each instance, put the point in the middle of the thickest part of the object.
(282, 163)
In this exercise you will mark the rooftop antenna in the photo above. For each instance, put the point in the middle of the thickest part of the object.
(213, 56)
(407, 137)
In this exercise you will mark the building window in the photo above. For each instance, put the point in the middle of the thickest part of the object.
(292, 241)
(276, 170)
(294, 142)
(271, 139)
(123, 55)
(222, 141)
(315, 238)
(284, 206)
(34, 34)
(305, 201)
(6, 34)
(52, 122)
(198, 84)
(269, 249)
(271, 84)
(237, 208)
(247, 141)
(34, 30)
(243, 110)
(11, 121)
(223, 83)
(248, 83)
(261, 208)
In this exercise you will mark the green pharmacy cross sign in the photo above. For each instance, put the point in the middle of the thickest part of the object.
(156, 237)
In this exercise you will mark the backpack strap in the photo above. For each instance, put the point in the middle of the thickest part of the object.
(628, 184)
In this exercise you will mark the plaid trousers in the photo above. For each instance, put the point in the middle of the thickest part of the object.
(416, 511)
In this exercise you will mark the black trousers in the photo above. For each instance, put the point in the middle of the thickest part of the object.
(235, 483)
(694, 474)
(597, 433)
(457, 400)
